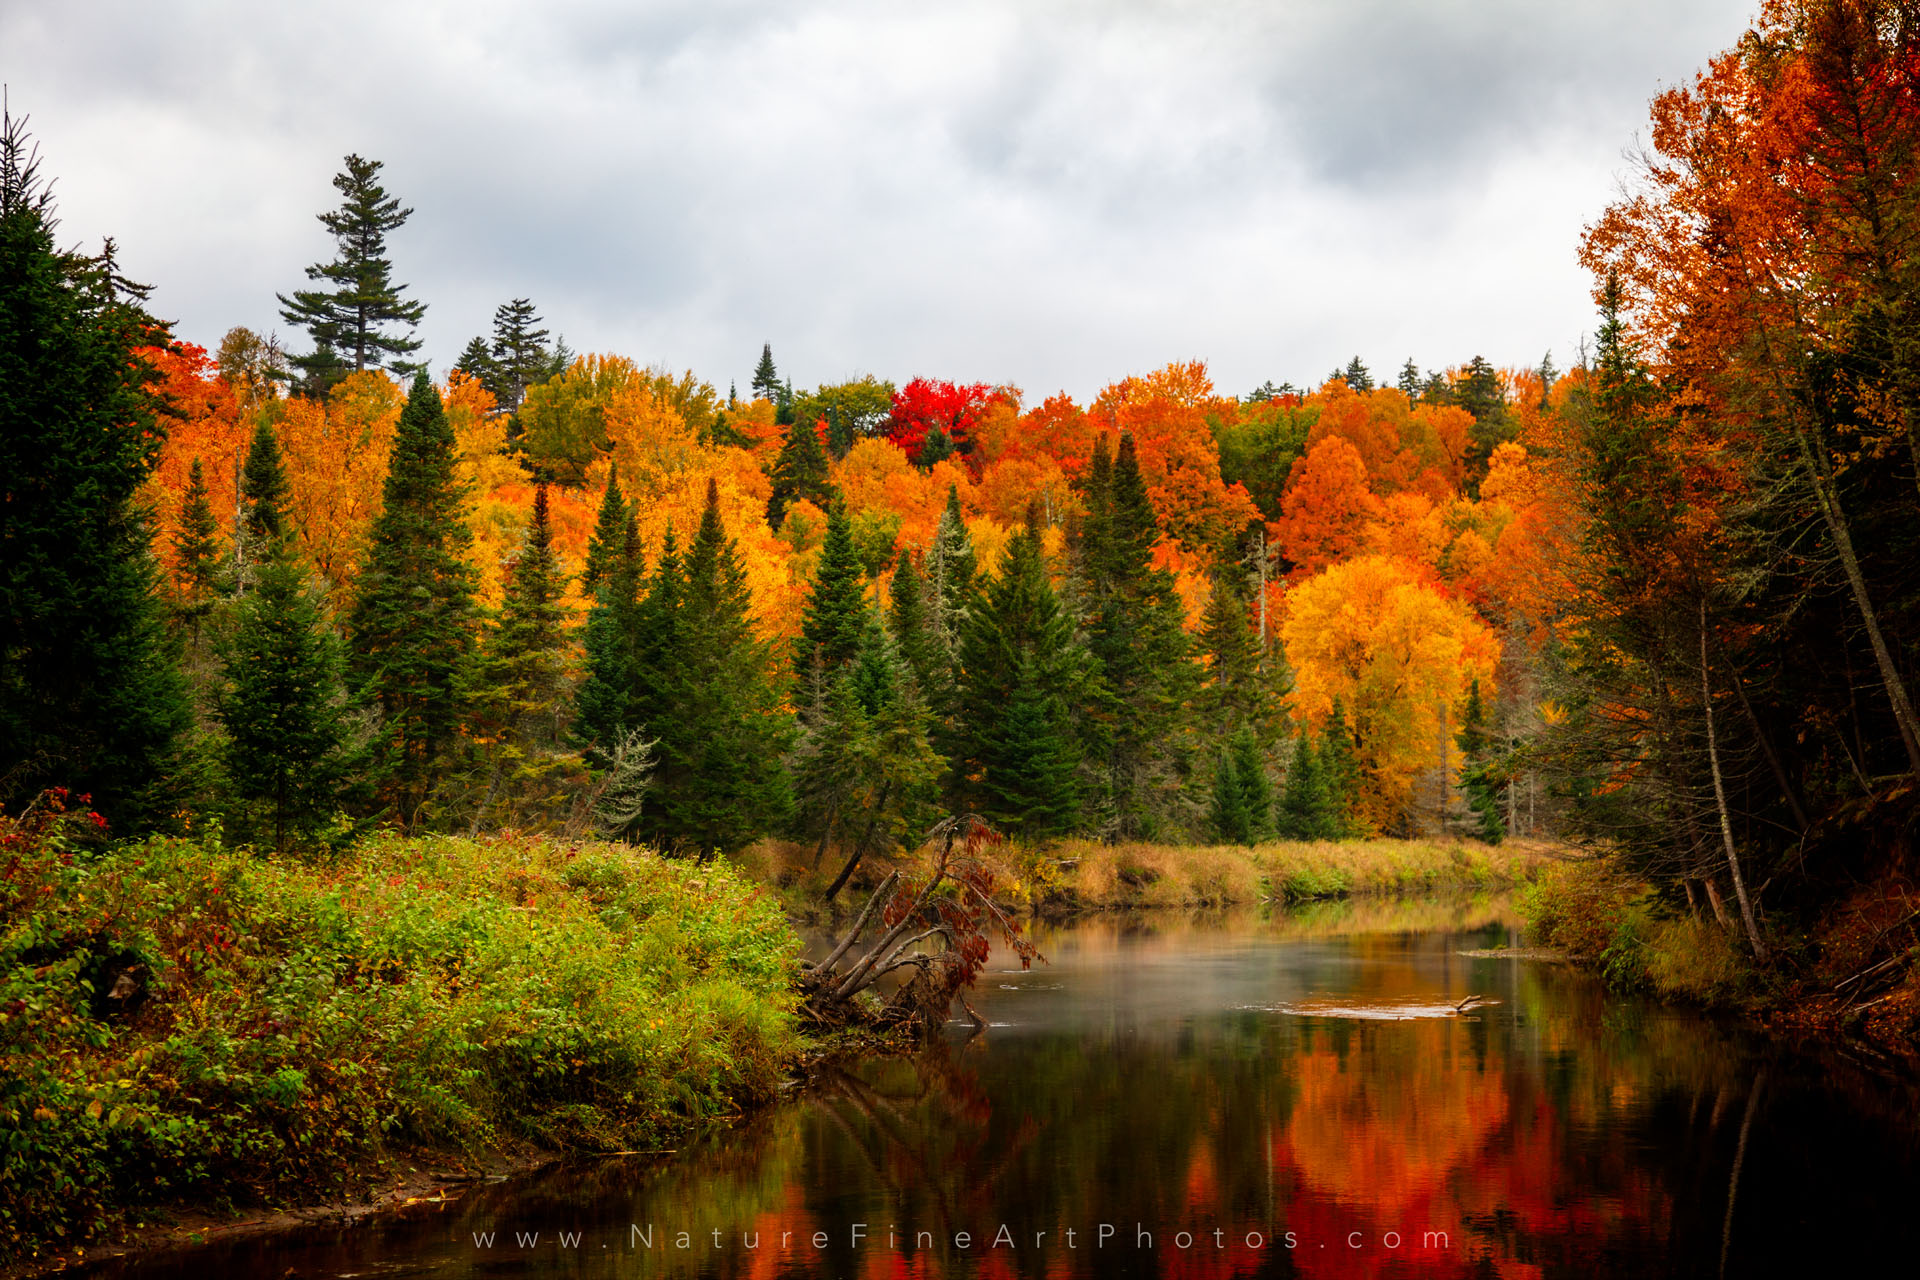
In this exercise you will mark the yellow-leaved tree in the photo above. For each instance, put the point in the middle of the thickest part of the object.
(1400, 653)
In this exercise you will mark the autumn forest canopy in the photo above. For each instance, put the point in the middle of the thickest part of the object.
(1667, 599)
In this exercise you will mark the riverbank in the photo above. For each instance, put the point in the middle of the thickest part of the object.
(186, 1024)
(1847, 973)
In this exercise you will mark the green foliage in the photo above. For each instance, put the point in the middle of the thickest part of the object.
(1132, 624)
(196, 547)
(294, 1025)
(1307, 811)
(605, 705)
(1228, 814)
(90, 692)
(1340, 770)
(413, 621)
(721, 729)
(1020, 672)
(292, 750)
(800, 471)
(766, 378)
(836, 607)
(1480, 775)
(263, 486)
(1242, 808)
(349, 321)
(853, 411)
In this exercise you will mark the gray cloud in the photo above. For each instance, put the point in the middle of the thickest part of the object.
(1053, 194)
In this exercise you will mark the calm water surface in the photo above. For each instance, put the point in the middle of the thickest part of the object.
(1225, 1095)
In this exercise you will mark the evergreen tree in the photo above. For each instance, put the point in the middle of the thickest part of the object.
(522, 684)
(1409, 383)
(1479, 391)
(350, 321)
(1228, 814)
(1236, 694)
(609, 538)
(605, 710)
(949, 570)
(519, 353)
(291, 751)
(91, 695)
(936, 446)
(263, 489)
(1306, 811)
(476, 361)
(1133, 626)
(1478, 772)
(412, 624)
(1250, 775)
(1358, 377)
(196, 545)
(719, 781)
(910, 622)
(799, 472)
(1020, 672)
(1340, 771)
(766, 379)
(836, 607)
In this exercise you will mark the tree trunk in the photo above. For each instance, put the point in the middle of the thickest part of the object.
(1715, 901)
(1720, 796)
(860, 849)
(1773, 759)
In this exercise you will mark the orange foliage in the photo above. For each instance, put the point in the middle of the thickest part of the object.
(1404, 447)
(1167, 411)
(876, 476)
(336, 460)
(203, 419)
(1325, 514)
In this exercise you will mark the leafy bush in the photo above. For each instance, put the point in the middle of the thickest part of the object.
(278, 1027)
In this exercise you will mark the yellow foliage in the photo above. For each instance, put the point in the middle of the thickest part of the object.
(336, 462)
(1399, 652)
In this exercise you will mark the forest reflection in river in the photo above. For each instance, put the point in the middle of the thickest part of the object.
(1150, 1078)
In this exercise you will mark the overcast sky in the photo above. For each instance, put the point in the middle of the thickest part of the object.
(1044, 192)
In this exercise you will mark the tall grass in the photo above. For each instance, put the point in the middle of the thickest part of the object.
(291, 1024)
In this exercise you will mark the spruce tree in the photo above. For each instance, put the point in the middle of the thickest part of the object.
(949, 571)
(1409, 382)
(196, 546)
(263, 490)
(522, 682)
(1479, 774)
(766, 379)
(1020, 672)
(719, 781)
(1236, 693)
(936, 446)
(1132, 622)
(836, 607)
(799, 472)
(351, 321)
(1357, 375)
(91, 696)
(519, 354)
(607, 543)
(291, 750)
(1340, 769)
(412, 625)
(1228, 813)
(1250, 776)
(605, 709)
(910, 622)
(476, 361)
(1306, 811)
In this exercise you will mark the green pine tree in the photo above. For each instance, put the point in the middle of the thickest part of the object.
(949, 571)
(1409, 382)
(476, 361)
(1237, 693)
(91, 696)
(1358, 377)
(1479, 773)
(766, 383)
(1306, 811)
(291, 751)
(351, 321)
(1228, 812)
(196, 547)
(608, 541)
(1340, 770)
(606, 709)
(836, 607)
(1250, 776)
(413, 620)
(263, 490)
(519, 355)
(522, 686)
(1132, 622)
(719, 781)
(799, 472)
(1020, 673)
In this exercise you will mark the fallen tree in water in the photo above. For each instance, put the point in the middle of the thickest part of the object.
(942, 928)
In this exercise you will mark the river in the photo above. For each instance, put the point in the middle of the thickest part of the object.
(1222, 1094)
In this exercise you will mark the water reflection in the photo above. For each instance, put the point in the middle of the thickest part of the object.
(1160, 1100)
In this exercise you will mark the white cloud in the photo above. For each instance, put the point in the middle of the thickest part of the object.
(1053, 194)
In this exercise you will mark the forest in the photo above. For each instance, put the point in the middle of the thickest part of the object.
(1663, 600)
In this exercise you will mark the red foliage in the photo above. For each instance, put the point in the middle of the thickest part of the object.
(924, 403)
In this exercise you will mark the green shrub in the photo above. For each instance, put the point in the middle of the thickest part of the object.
(290, 1024)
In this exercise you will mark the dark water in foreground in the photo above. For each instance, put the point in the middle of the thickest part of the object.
(1225, 1084)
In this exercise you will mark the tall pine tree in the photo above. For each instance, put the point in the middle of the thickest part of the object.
(91, 696)
(196, 548)
(1020, 673)
(723, 731)
(1132, 623)
(1306, 810)
(360, 321)
(606, 707)
(413, 620)
(836, 608)
(799, 472)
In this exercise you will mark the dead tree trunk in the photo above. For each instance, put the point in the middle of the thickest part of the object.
(1720, 795)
